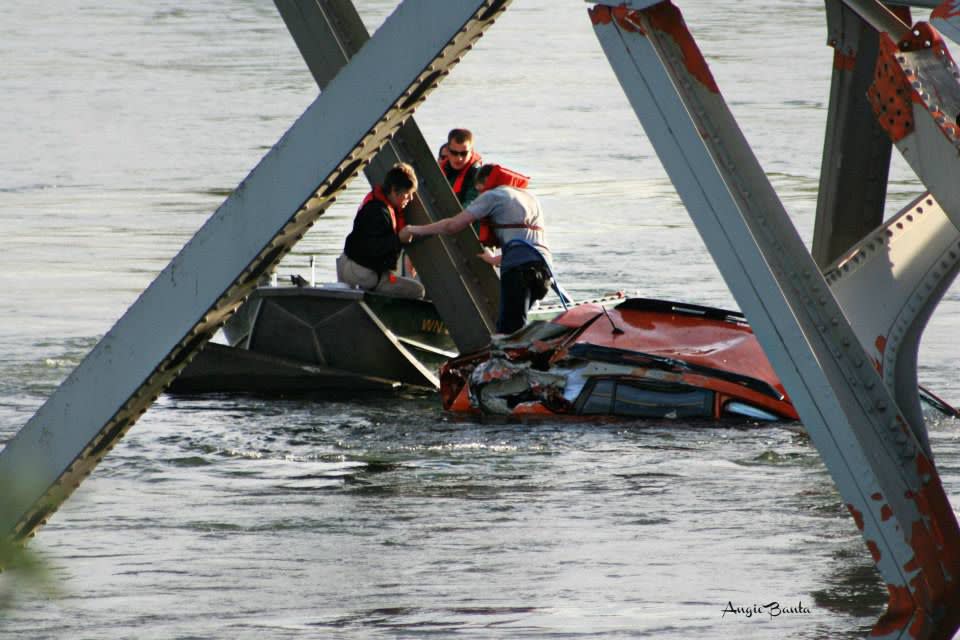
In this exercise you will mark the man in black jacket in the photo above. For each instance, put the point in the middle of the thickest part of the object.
(371, 251)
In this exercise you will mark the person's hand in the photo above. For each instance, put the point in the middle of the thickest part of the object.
(489, 258)
(405, 235)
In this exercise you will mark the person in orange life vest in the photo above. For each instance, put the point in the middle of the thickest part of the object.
(517, 223)
(461, 165)
(371, 250)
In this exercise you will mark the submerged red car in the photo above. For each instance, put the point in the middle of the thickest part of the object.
(642, 358)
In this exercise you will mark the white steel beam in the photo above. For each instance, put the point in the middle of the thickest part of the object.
(912, 258)
(887, 481)
(257, 225)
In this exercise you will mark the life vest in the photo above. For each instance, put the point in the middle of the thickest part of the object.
(457, 185)
(501, 177)
(396, 218)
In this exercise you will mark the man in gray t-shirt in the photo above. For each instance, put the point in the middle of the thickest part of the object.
(513, 214)
(516, 220)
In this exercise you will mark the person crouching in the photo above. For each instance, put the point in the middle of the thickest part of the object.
(515, 223)
(373, 247)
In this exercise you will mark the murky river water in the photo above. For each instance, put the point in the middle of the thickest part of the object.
(124, 125)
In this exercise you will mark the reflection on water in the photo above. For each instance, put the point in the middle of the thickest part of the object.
(360, 517)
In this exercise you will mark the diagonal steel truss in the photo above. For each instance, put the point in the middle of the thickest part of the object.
(877, 455)
(263, 218)
(464, 288)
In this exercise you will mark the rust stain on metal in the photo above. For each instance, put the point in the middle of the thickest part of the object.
(901, 608)
(946, 10)
(886, 512)
(857, 516)
(890, 94)
(844, 61)
(667, 18)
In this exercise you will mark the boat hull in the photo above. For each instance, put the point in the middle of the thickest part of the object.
(295, 339)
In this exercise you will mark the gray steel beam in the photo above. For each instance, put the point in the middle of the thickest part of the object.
(856, 151)
(464, 288)
(254, 228)
(880, 17)
(888, 483)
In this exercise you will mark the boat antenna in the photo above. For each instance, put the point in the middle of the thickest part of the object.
(616, 330)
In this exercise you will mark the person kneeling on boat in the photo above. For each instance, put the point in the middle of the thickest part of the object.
(510, 218)
(371, 250)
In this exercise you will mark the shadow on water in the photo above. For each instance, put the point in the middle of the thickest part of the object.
(431, 620)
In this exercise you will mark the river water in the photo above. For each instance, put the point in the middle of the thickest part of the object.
(123, 127)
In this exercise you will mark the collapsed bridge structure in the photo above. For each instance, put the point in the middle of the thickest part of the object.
(846, 356)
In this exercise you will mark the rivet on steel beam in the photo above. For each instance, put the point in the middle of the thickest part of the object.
(881, 405)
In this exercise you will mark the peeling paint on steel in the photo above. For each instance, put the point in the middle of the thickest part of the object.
(667, 18)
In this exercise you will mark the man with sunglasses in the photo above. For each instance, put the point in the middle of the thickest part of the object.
(461, 164)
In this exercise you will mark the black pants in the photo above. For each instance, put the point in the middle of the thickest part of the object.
(520, 287)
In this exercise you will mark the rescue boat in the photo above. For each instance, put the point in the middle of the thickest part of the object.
(328, 337)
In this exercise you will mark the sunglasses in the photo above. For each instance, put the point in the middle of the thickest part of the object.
(459, 154)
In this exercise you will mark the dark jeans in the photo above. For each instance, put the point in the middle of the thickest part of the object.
(520, 287)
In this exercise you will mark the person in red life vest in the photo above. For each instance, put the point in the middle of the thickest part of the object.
(461, 164)
(516, 221)
(371, 250)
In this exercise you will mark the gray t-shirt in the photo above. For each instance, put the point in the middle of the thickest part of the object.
(510, 206)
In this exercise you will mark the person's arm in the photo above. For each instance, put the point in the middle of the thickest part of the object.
(447, 226)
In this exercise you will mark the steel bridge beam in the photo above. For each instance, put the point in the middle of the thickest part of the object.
(463, 287)
(856, 152)
(913, 258)
(252, 230)
(887, 481)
